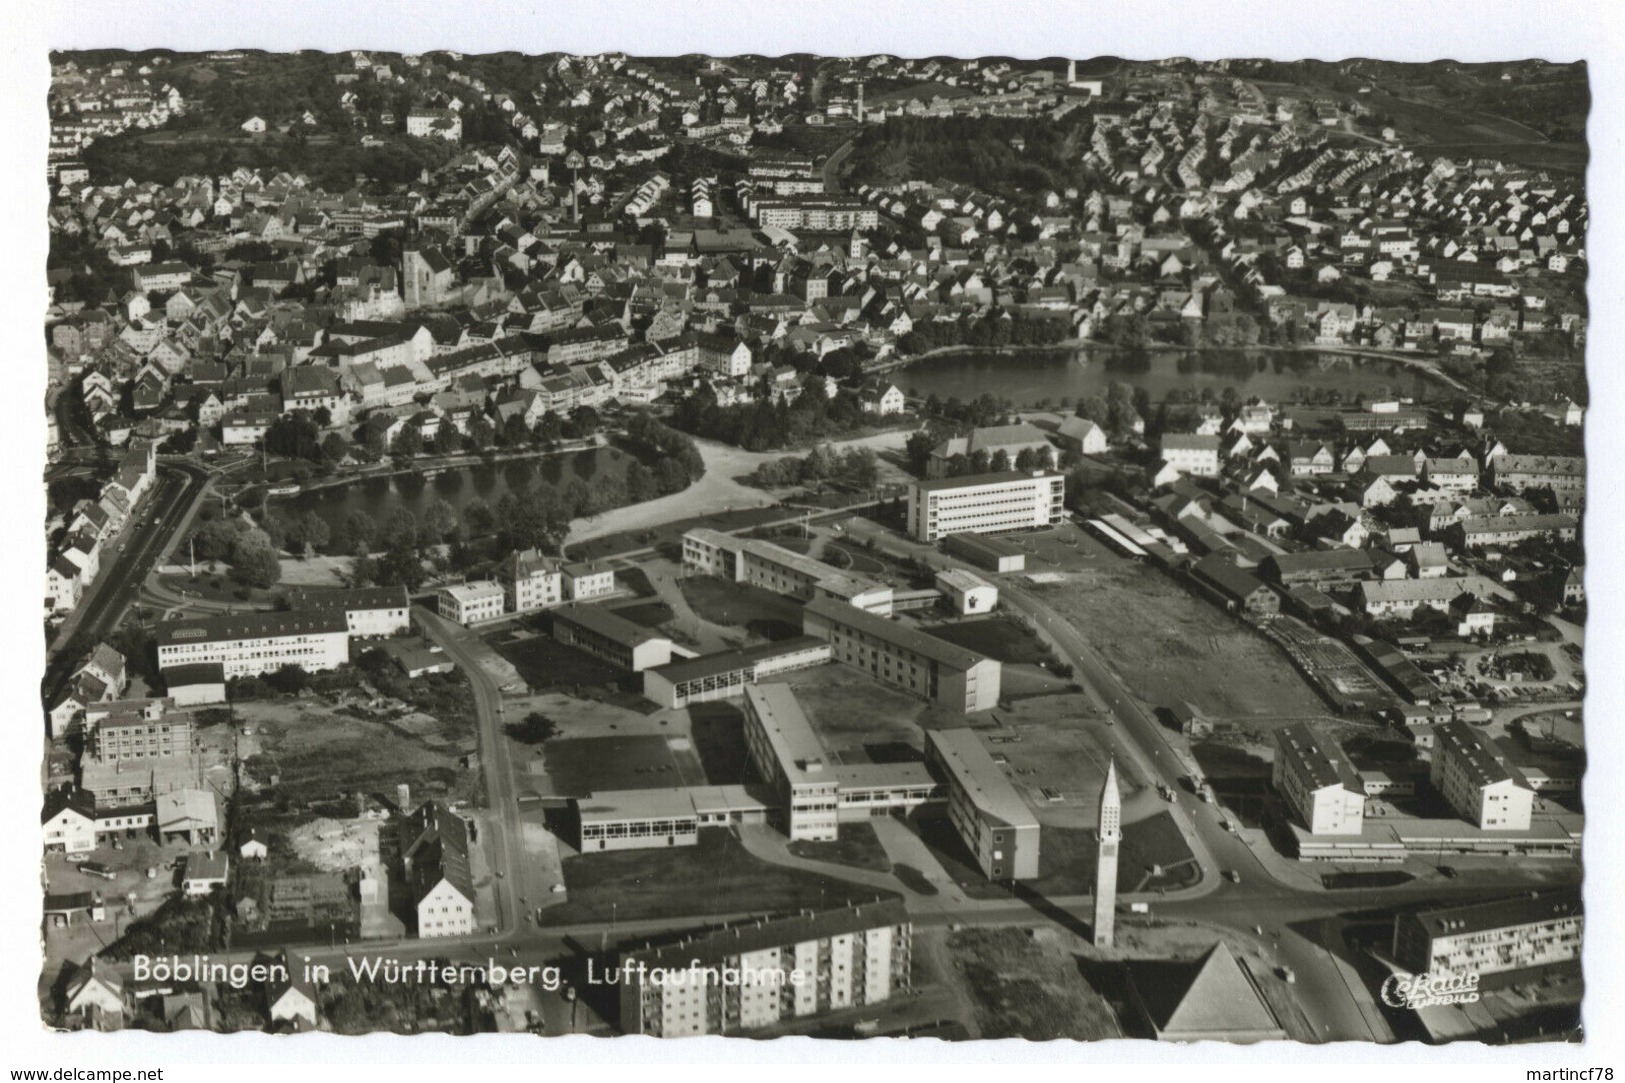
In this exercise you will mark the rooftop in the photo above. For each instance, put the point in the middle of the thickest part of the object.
(983, 780)
(894, 632)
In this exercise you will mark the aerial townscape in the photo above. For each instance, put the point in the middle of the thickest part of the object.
(846, 547)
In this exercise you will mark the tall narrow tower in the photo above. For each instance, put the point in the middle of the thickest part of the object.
(1071, 72)
(1110, 834)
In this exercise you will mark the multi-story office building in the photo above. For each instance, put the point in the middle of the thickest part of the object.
(1478, 779)
(1502, 942)
(773, 567)
(614, 639)
(984, 807)
(1318, 781)
(369, 612)
(754, 975)
(904, 657)
(472, 603)
(985, 504)
(786, 752)
(248, 644)
(530, 581)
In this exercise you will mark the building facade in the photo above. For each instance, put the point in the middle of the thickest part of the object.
(755, 975)
(472, 603)
(1317, 779)
(785, 751)
(984, 807)
(249, 644)
(985, 504)
(904, 657)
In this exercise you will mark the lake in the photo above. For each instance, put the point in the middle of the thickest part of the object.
(380, 497)
(1029, 378)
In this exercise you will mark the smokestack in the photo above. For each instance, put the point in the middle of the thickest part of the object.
(860, 102)
(1071, 72)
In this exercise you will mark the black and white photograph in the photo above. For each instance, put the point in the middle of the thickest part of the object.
(822, 544)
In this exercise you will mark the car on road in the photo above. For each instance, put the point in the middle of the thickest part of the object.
(1447, 871)
(1232, 875)
(1288, 975)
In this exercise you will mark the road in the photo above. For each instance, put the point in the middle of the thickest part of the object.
(157, 523)
(494, 761)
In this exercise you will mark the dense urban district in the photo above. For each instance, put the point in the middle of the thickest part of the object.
(849, 547)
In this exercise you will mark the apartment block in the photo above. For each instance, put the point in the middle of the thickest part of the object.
(984, 807)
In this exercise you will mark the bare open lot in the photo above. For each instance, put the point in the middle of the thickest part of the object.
(1169, 645)
(1026, 983)
(313, 750)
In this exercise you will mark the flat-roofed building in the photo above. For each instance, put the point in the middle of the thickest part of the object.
(614, 639)
(637, 820)
(984, 807)
(1503, 942)
(131, 736)
(1479, 780)
(967, 593)
(369, 612)
(532, 581)
(985, 504)
(472, 603)
(863, 790)
(724, 675)
(773, 567)
(989, 554)
(1318, 781)
(248, 644)
(786, 752)
(656, 819)
(905, 657)
(756, 974)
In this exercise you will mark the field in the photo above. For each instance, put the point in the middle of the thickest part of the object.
(715, 877)
(1025, 983)
(577, 766)
(320, 752)
(858, 847)
(1003, 637)
(546, 664)
(1169, 645)
(767, 616)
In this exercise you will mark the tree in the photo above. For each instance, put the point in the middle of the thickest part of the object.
(408, 442)
(439, 520)
(335, 448)
(256, 565)
(315, 530)
(533, 730)
(640, 484)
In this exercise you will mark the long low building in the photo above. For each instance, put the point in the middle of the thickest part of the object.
(657, 819)
(773, 567)
(724, 675)
(984, 807)
(985, 504)
(248, 644)
(905, 657)
(1511, 529)
(614, 639)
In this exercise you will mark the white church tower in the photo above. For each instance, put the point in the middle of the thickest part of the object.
(1110, 835)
